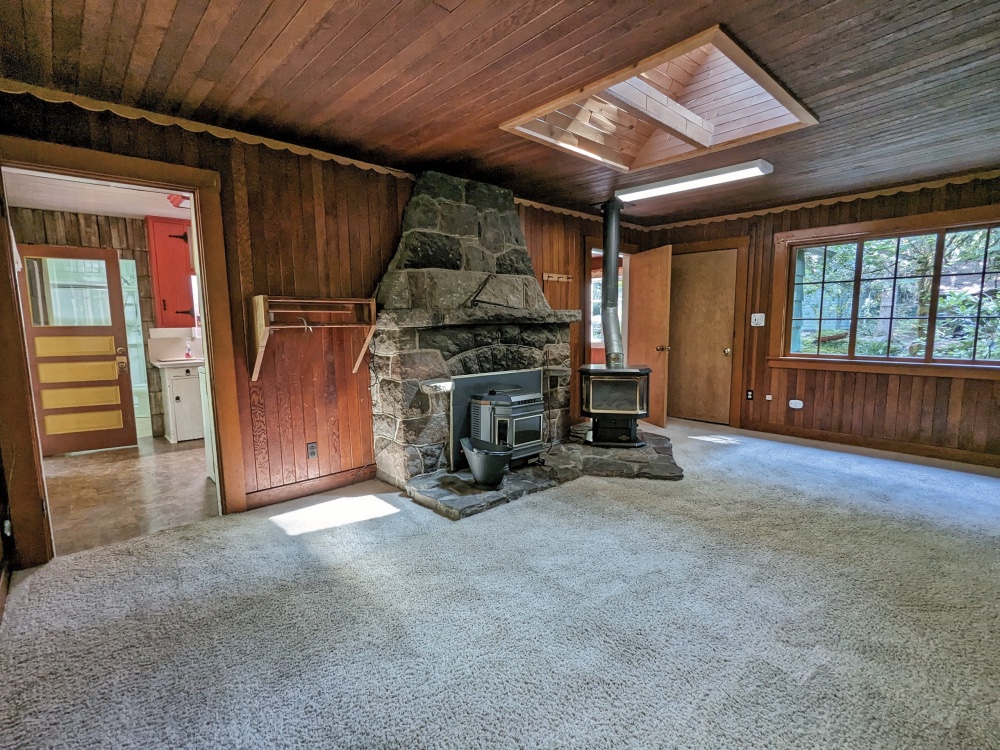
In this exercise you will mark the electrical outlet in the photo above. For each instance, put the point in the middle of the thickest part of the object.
(312, 450)
(749, 395)
(768, 397)
(757, 320)
(795, 404)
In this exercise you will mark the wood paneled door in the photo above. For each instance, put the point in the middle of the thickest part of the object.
(702, 306)
(172, 269)
(649, 323)
(74, 322)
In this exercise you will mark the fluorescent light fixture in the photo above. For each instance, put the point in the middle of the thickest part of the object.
(693, 182)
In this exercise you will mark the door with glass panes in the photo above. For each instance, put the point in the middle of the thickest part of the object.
(74, 322)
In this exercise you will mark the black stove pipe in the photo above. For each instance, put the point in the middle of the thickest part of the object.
(614, 355)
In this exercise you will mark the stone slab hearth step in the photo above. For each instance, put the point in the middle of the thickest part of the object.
(455, 496)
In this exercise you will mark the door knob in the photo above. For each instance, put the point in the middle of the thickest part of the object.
(122, 363)
(661, 348)
(727, 351)
(120, 350)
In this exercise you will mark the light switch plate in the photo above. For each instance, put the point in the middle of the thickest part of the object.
(757, 320)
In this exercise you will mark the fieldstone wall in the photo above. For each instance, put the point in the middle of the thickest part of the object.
(462, 242)
(460, 297)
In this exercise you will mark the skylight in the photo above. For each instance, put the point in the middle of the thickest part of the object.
(702, 95)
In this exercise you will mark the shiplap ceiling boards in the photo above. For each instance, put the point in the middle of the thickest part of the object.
(904, 91)
(28, 189)
(701, 95)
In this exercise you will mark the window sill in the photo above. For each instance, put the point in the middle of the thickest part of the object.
(930, 370)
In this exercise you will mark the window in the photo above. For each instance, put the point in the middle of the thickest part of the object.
(927, 296)
(596, 326)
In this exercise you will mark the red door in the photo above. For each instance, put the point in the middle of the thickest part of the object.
(170, 257)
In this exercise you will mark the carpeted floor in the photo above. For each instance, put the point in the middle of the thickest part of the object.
(780, 596)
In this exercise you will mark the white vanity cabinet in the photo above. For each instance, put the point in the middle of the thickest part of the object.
(182, 414)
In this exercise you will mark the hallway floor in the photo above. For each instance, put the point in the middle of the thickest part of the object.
(109, 496)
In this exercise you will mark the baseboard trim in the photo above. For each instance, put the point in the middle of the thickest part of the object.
(894, 446)
(4, 585)
(309, 487)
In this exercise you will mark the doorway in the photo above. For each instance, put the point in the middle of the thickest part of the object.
(707, 304)
(593, 284)
(113, 336)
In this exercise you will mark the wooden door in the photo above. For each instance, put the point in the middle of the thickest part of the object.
(649, 323)
(702, 305)
(170, 258)
(74, 323)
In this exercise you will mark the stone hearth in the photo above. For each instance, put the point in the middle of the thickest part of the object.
(454, 496)
(460, 297)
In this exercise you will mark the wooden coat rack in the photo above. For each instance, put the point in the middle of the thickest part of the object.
(272, 314)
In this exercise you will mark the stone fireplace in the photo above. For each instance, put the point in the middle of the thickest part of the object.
(460, 297)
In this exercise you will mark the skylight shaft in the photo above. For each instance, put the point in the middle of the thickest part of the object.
(742, 171)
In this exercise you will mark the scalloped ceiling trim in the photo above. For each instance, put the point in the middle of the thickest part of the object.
(10, 86)
(53, 96)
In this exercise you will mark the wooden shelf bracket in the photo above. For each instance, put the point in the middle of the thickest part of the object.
(272, 314)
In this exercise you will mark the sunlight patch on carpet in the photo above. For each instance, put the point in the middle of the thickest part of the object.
(332, 513)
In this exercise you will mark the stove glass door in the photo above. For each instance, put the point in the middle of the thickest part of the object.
(527, 430)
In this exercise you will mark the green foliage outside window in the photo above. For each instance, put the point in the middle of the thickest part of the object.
(596, 324)
(876, 297)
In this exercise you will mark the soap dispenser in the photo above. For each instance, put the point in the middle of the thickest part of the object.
(187, 349)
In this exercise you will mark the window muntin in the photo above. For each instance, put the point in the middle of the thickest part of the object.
(923, 296)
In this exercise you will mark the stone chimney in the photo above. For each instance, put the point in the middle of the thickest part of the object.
(459, 297)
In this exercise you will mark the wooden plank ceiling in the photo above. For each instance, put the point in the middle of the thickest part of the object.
(904, 90)
(704, 94)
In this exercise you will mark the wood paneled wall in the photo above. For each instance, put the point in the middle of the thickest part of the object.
(128, 237)
(956, 418)
(293, 226)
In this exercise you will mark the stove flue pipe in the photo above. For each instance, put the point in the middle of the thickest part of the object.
(614, 355)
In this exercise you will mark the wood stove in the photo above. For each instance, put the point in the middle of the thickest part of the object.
(615, 399)
(614, 395)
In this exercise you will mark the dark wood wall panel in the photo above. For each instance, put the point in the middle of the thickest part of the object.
(293, 225)
(946, 417)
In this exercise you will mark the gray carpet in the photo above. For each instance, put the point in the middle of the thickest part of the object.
(778, 597)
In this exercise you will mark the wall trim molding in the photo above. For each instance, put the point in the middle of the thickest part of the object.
(53, 96)
(895, 446)
(4, 585)
(272, 495)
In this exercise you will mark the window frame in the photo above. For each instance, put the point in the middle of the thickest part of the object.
(787, 243)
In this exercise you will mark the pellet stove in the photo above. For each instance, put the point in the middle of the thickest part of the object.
(509, 416)
(613, 395)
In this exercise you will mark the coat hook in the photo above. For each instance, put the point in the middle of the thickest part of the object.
(306, 324)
